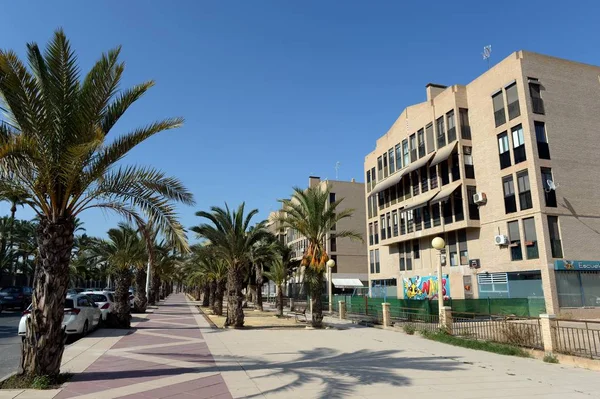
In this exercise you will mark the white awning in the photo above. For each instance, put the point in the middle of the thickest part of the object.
(443, 153)
(420, 200)
(347, 282)
(418, 163)
(446, 192)
(389, 182)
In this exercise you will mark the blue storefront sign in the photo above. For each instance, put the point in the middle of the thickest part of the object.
(589, 265)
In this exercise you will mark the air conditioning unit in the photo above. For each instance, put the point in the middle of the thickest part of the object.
(479, 198)
(501, 240)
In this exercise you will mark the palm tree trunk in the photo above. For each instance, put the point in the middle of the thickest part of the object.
(13, 271)
(205, 295)
(211, 294)
(317, 301)
(43, 346)
(235, 298)
(219, 294)
(259, 283)
(155, 289)
(122, 309)
(140, 301)
(280, 300)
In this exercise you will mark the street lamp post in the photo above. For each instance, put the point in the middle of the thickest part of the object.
(439, 244)
(330, 264)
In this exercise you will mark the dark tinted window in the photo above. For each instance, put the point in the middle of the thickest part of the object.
(69, 304)
(97, 297)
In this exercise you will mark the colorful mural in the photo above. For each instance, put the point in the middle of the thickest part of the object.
(425, 287)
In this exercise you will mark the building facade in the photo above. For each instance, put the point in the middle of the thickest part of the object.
(350, 271)
(505, 170)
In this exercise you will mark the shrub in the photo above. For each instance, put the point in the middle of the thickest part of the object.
(502, 349)
(409, 329)
(550, 358)
(519, 334)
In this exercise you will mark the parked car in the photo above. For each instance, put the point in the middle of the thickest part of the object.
(105, 301)
(75, 291)
(15, 297)
(81, 316)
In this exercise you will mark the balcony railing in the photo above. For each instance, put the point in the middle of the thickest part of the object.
(538, 106)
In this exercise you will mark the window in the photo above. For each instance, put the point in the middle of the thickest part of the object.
(499, 115)
(393, 195)
(369, 180)
(407, 189)
(549, 194)
(372, 261)
(555, 242)
(451, 126)
(473, 208)
(413, 147)
(331, 198)
(388, 224)
(445, 172)
(452, 249)
(510, 202)
(469, 169)
(398, 156)
(531, 246)
(430, 138)
(421, 142)
(512, 98)
(395, 221)
(415, 182)
(447, 211)
(536, 97)
(516, 252)
(458, 206)
(376, 230)
(417, 219)
(542, 140)
(385, 165)
(416, 251)
(524, 190)
(402, 223)
(455, 167)
(377, 270)
(465, 128)
(373, 176)
(402, 265)
(400, 191)
(433, 180)
(391, 160)
(405, 153)
(379, 168)
(435, 214)
(424, 179)
(518, 144)
(426, 218)
(441, 134)
(463, 252)
(493, 285)
(504, 150)
(382, 221)
(407, 250)
(371, 234)
(409, 221)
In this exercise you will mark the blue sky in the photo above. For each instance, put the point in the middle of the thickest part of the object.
(275, 91)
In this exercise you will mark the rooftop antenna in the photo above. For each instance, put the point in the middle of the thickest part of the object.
(337, 168)
(487, 53)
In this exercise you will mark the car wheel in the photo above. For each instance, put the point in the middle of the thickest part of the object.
(85, 329)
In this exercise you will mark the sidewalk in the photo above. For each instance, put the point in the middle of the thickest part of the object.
(164, 355)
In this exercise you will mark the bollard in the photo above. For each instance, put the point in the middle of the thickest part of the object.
(291, 304)
(548, 336)
(342, 307)
(446, 319)
(386, 315)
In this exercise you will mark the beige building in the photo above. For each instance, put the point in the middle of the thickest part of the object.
(505, 169)
(350, 271)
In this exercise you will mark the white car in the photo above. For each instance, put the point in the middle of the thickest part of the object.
(105, 301)
(81, 316)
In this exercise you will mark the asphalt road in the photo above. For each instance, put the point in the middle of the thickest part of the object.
(10, 342)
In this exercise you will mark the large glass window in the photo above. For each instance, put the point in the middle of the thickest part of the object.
(465, 128)
(441, 133)
(421, 142)
(424, 179)
(416, 250)
(455, 167)
(510, 202)
(376, 230)
(516, 252)
(433, 178)
(453, 249)
(457, 202)
(395, 222)
(524, 190)
(555, 243)
(332, 243)
(549, 192)
(468, 159)
(463, 252)
(531, 244)
(382, 231)
(368, 180)
(371, 234)
(405, 153)
(415, 182)
(435, 214)
(536, 97)
(413, 147)
(407, 255)
(473, 208)
(391, 158)
(379, 168)
(504, 150)
(377, 269)
(451, 126)
(409, 221)
(542, 140)
(372, 261)
(417, 219)
(388, 223)
(430, 138)
(426, 218)
(499, 114)
(402, 223)
(518, 144)
(447, 211)
(385, 165)
(398, 151)
(512, 98)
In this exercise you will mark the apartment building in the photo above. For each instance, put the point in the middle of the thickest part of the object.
(350, 271)
(506, 170)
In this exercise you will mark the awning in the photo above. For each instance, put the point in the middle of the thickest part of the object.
(347, 282)
(418, 163)
(389, 182)
(420, 201)
(446, 192)
(444, 153)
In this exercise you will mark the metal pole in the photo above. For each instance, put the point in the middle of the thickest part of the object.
(329, 288)
(148, 279)
(440, 287)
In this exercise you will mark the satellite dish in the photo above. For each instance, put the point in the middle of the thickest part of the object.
(551, 186)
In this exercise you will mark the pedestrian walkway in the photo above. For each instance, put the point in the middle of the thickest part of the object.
(165, 355)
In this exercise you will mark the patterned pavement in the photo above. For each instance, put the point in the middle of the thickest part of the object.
(165, 356)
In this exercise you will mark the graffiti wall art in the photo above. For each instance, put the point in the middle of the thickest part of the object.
(425, 287)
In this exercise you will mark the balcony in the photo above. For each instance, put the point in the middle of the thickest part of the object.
(538, 105)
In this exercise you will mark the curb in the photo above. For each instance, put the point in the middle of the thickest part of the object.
(7, 376)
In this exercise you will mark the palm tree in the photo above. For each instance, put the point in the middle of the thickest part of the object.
(278, 274)
(230, 234)
(54, 147)
(262, 253)
(310, 213)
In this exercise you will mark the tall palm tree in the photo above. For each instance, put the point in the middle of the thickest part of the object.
(262, 253)
(54, 146)
(278, 273)
(310, 213)
(230, 234)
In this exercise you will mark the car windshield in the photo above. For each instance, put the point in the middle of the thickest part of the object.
(69, 304)
(10, 290)
(97, 297)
